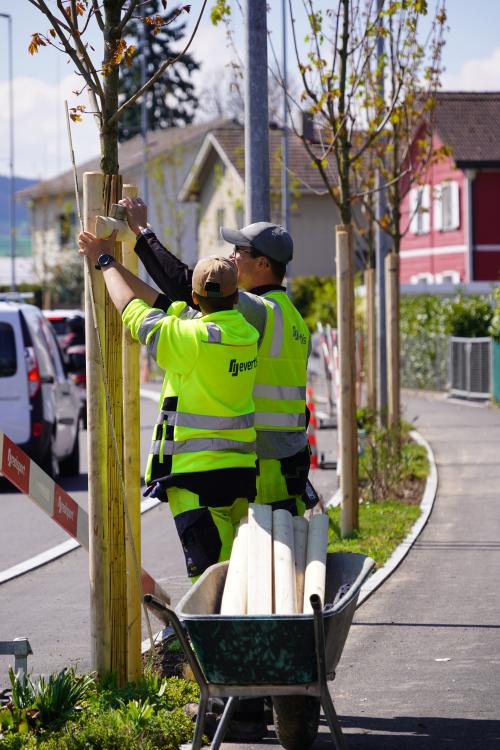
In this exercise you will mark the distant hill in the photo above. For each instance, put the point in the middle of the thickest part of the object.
(22, 213)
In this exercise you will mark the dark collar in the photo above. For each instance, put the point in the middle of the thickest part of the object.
(260, 290)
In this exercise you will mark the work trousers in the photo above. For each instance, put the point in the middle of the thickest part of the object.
(282, 482)
(206, 531)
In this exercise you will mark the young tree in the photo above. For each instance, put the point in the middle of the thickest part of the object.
(404, 152)
(112, 460)
(342, 43)
(171, 101)
(69, 21)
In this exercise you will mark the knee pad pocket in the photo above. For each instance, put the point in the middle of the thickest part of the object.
(199, 538)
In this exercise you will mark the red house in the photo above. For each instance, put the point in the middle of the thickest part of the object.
(454, 215)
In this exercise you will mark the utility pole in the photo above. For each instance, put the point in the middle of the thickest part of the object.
(381, 251)
(12, 202)
(285, 198)
(257, 203)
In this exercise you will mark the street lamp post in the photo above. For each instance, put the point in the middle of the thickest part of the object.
(12, 213)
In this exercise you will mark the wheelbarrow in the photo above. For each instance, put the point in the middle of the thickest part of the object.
(288, 657)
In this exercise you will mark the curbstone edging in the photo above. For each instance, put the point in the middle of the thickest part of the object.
(402, 550)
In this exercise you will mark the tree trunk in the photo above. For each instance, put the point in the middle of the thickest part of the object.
(371, 340)
(393, 355)
(348, 438)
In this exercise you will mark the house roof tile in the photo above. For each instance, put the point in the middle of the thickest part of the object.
(469, 122)
(304, 176)
(130, 156)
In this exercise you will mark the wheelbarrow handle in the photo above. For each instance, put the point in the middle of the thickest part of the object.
(168, 616)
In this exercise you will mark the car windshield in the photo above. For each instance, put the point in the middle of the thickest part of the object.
(8, 359)
(59, 325)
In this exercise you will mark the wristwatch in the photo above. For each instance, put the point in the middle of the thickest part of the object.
(104, 260)
(144, 232)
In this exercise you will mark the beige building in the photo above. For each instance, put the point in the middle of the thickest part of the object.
(54, 221)
(216, 184)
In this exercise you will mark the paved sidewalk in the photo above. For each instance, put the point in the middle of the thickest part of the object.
(421, 667)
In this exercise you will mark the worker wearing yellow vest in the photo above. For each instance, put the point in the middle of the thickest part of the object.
(202, 456)
(261, 253)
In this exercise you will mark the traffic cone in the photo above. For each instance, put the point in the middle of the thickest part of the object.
(311, 430)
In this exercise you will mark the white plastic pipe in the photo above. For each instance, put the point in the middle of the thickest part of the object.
(317, 542)
(234, 598)
(260, 560)
(285, 597)
(300, 529)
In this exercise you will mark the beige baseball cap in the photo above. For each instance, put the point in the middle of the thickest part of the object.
(215, 276)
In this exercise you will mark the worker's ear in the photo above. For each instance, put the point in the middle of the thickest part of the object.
(195, 297)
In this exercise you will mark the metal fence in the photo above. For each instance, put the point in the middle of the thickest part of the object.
(470, 367)
(424, 362)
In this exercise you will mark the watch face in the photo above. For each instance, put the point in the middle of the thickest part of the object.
(105, 259)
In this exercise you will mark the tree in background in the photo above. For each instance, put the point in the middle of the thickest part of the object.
(411, 65)
(171, 100)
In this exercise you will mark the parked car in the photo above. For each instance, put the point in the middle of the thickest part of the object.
(76, 368)
(69, 326)
(39, 403)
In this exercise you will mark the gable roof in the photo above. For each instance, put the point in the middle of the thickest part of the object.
(469, 122)
(130, 154)
(229, 143)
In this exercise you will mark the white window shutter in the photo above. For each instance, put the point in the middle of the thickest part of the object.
(437, 208)
(455, 205)
(426, 206)
(413, 210)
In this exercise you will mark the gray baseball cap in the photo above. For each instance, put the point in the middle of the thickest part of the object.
(272, 240)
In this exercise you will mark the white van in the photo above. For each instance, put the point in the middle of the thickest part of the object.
(39, 404)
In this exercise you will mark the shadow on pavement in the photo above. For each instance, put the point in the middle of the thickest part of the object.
(414, 733)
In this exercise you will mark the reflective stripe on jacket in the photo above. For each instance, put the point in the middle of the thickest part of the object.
(206, 419)
(280, 386)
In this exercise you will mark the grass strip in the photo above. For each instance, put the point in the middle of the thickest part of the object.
(382, 527)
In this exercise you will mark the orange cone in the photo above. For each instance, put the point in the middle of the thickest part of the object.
(311, 430)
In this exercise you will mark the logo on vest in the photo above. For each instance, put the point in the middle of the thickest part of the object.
(299, 336)
(236, 367)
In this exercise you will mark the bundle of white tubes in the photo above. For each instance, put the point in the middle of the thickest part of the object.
(277, 562)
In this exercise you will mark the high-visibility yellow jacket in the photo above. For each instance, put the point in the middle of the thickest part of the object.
(280, 386)
(206, 419)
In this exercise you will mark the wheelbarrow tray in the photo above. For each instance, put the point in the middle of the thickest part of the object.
(270, 649)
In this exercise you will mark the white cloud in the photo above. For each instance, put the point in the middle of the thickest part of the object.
(476, 75)
(40, 136)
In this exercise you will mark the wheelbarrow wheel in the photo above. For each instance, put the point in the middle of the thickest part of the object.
(296, 720)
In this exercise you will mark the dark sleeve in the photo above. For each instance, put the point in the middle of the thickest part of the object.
(162, 302)
(171, 275)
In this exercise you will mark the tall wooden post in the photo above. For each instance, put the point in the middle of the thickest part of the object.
(393, 348)
(348, 443)
(106, 510)
(371, 340)
(97, 438)
(131, 467)
(117, 576)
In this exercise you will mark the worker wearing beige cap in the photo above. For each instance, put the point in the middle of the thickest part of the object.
(261, 252)
(202, 457)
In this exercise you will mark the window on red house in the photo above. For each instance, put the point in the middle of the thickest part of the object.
(420, 209)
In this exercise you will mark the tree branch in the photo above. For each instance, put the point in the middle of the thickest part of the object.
(158, 73)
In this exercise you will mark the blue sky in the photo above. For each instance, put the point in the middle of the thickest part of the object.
(471, 58)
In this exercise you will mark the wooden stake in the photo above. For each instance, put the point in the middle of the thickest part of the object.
(347, 357)
(300, 528)
(97, 439)
(371, 340)
(393, 353)
(260, 559)
(116, 513)
(284, 586)
(317, 544)
(132, 471)
(234, 597)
